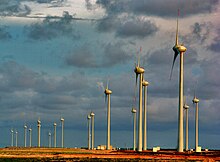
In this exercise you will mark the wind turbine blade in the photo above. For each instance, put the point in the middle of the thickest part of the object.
(136, 79)
(174, 59)
(105, 98)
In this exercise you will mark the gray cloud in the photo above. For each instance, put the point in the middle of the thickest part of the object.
(50, 28)
(158, 8)
(84, 57)
(127, 26)
(4, 34)
(215, 46)
(13, 7)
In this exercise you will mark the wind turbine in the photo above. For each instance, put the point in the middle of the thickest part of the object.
(179, 50)
(12, 138)
(134, 111)
(186, 107)
(38, 126)
(196, 101)
(49, 139)
(89, 142)
(30, 137)
(55, 134)
(16, 138)
(108, 93)
(62, 138)
(92, 118)
(145, 84)
(139, 71)
(25, 135)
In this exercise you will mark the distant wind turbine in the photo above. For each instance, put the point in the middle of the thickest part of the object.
(25, 135)
(16, 138)
(38, 126)
(30, 137)
(196, 101)
(134, 111)
(92, 118)
(12, 138)
(179, 50)
(139, 71)
(49, 139)
(186, 107)
(89, 142)
(55, 134)
(108, 92)
(145, 84)
(62, 133)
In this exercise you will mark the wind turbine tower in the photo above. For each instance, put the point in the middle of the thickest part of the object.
(55, 134)
(62, 138)
(49, 139)
(12, 138)
(139, 71)
(92, 118)
(38, 126)
(145, 84)
(89, 142)
(134, 111)
(108, 93)
(179, 50)
(196, 101)
(25, 135)
(30, 137)
(186, 107)
(16, 138)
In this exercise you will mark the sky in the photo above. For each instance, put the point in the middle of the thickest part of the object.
(56, 57)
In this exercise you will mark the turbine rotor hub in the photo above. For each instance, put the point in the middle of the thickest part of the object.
(195, 100)
(139, 70)
(145, 83)
(108, 91)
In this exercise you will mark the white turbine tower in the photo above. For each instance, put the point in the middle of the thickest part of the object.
(55, 134)
(62, 133)
(145, 84)
(12, 138)
(89, 142)
(179, 50)
(134, 111)
(16, 138)
(25, 135)
(49, 139)
(196, 101)
(38, 126)
(139, 71)
(30, 137)
(93, 125)
(186, 107)
(108, 93)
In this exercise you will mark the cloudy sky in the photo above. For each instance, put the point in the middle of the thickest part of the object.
(56, 57)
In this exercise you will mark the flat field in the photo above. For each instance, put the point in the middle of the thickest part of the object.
(70, 154)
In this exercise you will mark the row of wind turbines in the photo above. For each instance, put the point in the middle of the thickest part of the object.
(179, 49)
(38, 135)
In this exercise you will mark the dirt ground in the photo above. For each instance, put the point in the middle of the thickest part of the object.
(70, 154)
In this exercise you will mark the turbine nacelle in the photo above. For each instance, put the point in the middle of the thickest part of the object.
(38, 122)
(195, 100)
(25, 127)
(54, 124)
(89, 117)
(30, 130)
(108, 91)
(62, 119)
(133, 110)
(145, 83)
(139, 70)
(185, 106)
(92, 114)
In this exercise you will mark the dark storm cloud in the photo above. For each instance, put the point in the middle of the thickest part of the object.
(13, 7)
(127, 26)
(159, 7)
(215, 46)
(84, 57)
(50, 28)
(136, 27)
(4, 33)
